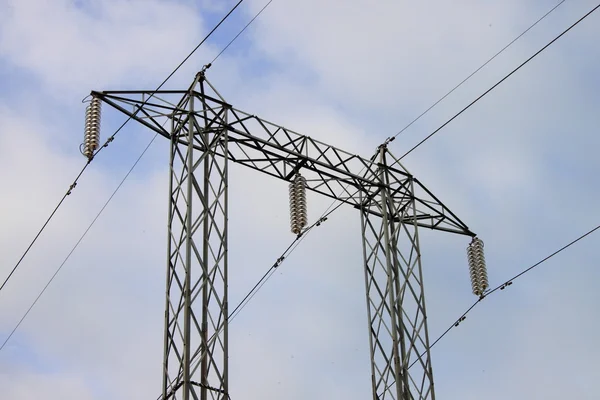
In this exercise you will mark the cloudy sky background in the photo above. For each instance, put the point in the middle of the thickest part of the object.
(520, 168)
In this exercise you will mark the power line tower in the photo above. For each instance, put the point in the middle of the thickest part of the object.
(206, 134)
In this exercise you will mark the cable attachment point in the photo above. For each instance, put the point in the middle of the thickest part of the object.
(71, 188)
(204, 68)
(109, 141)
(461, 319)
(386, 142)
(278, 262)
(320, 221)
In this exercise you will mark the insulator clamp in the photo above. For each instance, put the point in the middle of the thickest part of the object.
(320, 221)
(278, 262)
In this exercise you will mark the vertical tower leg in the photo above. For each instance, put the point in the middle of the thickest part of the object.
(395, 299)
(195, 353)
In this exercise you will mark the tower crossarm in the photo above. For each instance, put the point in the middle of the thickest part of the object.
(280, 152)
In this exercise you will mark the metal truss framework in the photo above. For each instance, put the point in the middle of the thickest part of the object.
(394, 288)
(205, 134)
(196, 337)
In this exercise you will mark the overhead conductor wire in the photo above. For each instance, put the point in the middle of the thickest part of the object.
(510, 281)
(499, 82)
(263, 280)
(329, 211)
(477, 70)
(242, 31)
(74, 184)
(504, 286)
(109, 140)
(77, 243)
(499, 287)
(390, 139)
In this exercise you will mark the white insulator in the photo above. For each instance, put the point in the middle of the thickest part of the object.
(298, 216)
(477, 268)
(91, 135)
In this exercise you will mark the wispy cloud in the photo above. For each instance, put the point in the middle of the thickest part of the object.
(519, 168)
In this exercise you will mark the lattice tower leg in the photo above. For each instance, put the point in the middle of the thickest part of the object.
(196, 347)
(395, 298)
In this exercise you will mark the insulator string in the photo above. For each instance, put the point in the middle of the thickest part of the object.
(477, 267)
(298, 210)
(91, 135)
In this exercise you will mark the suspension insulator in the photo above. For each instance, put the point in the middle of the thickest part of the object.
(298, 217)
(477, 268)
(91, 135)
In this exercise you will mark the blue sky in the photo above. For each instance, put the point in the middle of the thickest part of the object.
(519, 168)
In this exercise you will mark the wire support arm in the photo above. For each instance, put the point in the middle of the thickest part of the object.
(280, 152)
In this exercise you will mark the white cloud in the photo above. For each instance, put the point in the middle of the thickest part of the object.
(71, 47)
(518, 168)
(47, 386)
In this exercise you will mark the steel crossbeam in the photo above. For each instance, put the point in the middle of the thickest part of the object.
(206, 133)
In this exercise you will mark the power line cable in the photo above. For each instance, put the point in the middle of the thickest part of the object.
(242, 31)
(68, 192)
(74, 184)
(299, 238)
(502, 286)
(266, 276)
(253, 291)
(77, 243)
(476, 71)
(109, 140)
(291, 247)
(71, 187)
(499, 82)
(390, 139)
(297, 241)
(269, 272)
(505, 285)
(288, 251)
(510, 281)
(262, 281)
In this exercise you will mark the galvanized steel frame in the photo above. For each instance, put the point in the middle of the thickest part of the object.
(393, 204)
(398, 335)
(280, 152)
(196, 295)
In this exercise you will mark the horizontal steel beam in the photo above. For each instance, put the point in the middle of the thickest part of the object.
(280, 152)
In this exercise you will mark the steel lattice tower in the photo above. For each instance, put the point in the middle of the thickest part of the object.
(206, 133)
